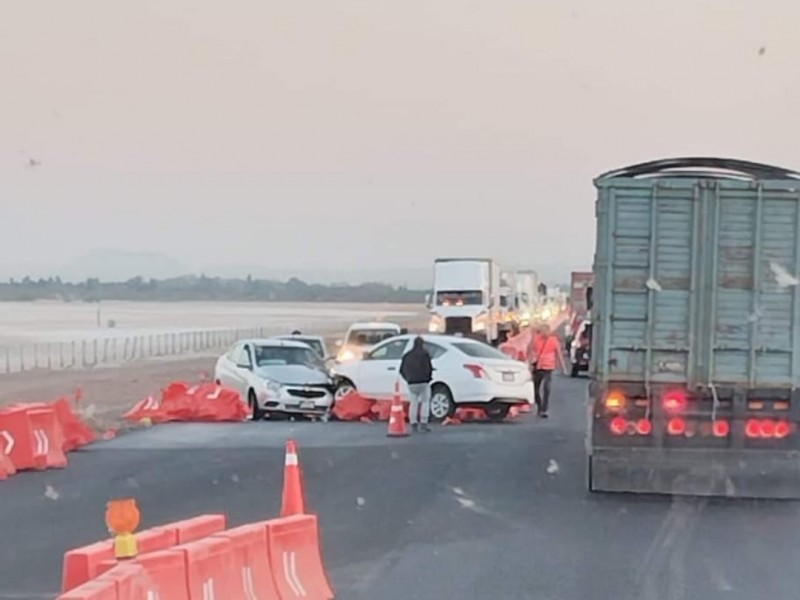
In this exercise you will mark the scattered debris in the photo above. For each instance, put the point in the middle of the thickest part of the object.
(782, 276)
(458, 491)
(552, 467)
(51, 493)
(652, 284)
(360, 502)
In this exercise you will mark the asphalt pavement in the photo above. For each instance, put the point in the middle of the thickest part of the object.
(468, 512)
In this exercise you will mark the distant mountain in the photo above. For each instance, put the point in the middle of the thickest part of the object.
(108, 264)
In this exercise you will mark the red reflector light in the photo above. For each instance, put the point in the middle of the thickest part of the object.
(615, 402)
(721, 428)
(752, 428)
(767, 428)
(782, 429)
(476, 370)
(674, 401)
(676, 426)
(618, 425)
(644, 427)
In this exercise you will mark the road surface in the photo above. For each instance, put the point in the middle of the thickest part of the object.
(470, 512)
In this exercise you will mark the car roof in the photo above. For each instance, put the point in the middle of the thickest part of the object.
(301, 336)
(276, 343)
(375, 325)
(435, 337)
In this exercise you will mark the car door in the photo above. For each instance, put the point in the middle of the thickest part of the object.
(225, 372)
(436, 352)
(242, 373)
(380, 369)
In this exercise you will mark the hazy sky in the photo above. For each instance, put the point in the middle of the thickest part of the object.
(367, 133)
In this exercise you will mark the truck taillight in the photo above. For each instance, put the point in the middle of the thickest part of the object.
(766, 428)
(644, 427)
(477, 371)
(676, 426)
(615, 402)
(618, 425)
(674, 401)
(721, 428)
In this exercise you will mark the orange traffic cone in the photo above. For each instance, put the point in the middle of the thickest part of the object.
(293, 500)
(397, 420)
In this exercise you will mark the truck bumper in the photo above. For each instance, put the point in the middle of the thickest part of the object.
(728, 473)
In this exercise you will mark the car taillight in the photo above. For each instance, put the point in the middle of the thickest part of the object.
(618, 425)
(674, 401)
(644, 427)
(676, 426)
(721, 428)
(615, 402)
(477, 371)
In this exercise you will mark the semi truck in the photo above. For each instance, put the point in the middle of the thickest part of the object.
(467, 299)
(527, 296)
(695, 361)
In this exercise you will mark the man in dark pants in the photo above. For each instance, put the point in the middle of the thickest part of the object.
(416, 368)
(544, 353)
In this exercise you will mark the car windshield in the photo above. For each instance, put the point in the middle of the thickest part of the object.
(477, 350)
(369, 337)
(460, 298)
(272, 356)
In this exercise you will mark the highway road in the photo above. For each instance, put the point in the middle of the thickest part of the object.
(470, 512)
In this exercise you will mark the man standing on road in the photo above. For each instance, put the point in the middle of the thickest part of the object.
(544, 352)
(416, 368)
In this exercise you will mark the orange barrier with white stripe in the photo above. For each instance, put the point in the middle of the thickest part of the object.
(197, 559)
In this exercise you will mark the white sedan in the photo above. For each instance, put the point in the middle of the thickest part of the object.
(276, 376)
(467, 373)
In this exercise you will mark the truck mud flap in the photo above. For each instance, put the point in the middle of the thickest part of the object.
(731, 474)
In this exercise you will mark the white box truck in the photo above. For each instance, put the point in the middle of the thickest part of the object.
(527, 298)
(467, 299)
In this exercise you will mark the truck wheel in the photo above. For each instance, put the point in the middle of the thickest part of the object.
(252, 402)
(442, 405)
(576, 369)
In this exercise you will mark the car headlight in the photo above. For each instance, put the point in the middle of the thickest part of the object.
(272, 386)
(433, 327)
(346, 354)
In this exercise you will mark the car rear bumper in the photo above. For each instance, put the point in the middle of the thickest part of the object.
(518, 393)
(729, 473)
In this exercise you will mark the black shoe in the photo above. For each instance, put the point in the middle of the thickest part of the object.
(414, 427)
(424, 427)
(543, 415)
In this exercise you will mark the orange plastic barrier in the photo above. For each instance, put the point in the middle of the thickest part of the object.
(352, 407)
(295, 558)
(210, 569)
(97, 589)
(76, 432)
(32, 437)
(164, 577)
(248, 550)
(179, 402)
(85, 563)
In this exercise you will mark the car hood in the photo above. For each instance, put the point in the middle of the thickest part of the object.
(299, 374)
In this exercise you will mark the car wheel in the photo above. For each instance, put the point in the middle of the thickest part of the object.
(344, 387)
(575, 370)
(498, 412)
(252, 402)
(442, 405)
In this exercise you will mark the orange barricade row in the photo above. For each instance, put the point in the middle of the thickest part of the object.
(82, 564)
(180, 402)
(278, 559)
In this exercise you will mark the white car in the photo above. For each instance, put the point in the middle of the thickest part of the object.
(278, 376)
(315, 342)
(467, 373)
(362, 337)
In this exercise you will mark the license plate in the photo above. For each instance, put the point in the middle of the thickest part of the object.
(508, 377)
(307, 405)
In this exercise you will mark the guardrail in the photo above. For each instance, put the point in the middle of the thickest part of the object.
(111, 350)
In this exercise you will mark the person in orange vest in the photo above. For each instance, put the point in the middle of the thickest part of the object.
(543, 354)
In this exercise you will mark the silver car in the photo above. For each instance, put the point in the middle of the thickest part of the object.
(276, 376)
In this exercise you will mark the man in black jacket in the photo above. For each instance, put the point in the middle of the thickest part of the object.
(416, 368)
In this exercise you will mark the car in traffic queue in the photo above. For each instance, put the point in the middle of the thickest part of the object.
(361, 338)
(467, 373)
(580, 348)
(276, 376)
(315, 342)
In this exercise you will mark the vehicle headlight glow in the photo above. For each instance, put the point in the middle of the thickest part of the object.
(346, 354)
(546, 313)
(433, 327)
(272, 386)
(526, 316)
